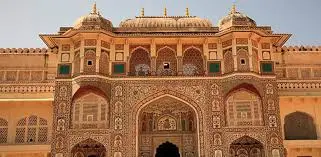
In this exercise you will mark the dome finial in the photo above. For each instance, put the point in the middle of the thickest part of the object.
(165, 11)
(142, 12)
(186, 12)
(94, 9)
(233, 9)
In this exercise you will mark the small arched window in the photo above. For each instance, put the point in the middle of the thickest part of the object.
(3, 130)
(299, 126)
(32, 129)
(243, 60)
(228, 61)
(90, 62)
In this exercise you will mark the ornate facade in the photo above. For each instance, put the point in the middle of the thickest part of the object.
(161, 86)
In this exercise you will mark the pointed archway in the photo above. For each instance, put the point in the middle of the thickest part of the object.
(167, 149)
(246, 147)
(89, 148)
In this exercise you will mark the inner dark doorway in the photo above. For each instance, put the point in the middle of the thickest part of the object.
(92, 156)
(167, 149)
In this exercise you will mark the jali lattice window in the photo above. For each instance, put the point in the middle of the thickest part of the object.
(193, 62)
(244, 109)
(32, 129)
(3, 130)
(139, 63)
(90, 111)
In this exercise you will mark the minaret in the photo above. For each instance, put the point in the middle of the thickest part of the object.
(165, 11)
(186, 12)
(142, 12)
(233, 9)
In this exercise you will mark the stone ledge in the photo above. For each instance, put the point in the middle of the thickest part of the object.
(302, 143)
(25, 148)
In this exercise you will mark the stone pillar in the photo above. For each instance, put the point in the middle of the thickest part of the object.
(126, 56)
(180, 65)
(250, 54)
(98, 53)
(72, 57)
(259, 54)
(234, 53)
(153, 57)
(220, 55)
(179, 58)
(82, 55)
(111, 56)
(205, 55)
(153, 66)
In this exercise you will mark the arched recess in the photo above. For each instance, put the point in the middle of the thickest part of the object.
(3, 130)
(299, 126)
(104, 62)
(140, 62)
(193, 63)
(246, 147)
(76, 62)
(89, 148)
(243, 63)
(228, 61)
(166, 61)
(243, 106)
(90, 109)
(255, 59)
(192, 136)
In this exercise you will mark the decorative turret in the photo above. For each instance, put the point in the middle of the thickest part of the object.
(235, 18)
(93, 21)
(186, 12)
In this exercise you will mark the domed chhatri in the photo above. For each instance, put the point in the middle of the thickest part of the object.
(165, 21)
(235, 18)
(93, 21)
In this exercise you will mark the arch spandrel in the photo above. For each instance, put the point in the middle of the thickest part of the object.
(181, 97)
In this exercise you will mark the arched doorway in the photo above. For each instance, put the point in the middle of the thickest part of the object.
(246, 147)
(167, 119)
(89, 148)
(167, 149)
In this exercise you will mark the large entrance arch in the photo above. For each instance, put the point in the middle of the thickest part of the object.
(89, 148)
(167, 120)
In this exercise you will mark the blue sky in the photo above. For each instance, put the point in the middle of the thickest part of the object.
(23, 20)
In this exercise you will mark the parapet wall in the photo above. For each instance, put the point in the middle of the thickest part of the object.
(28, 50)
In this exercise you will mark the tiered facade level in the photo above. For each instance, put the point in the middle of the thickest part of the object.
(161, 84)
